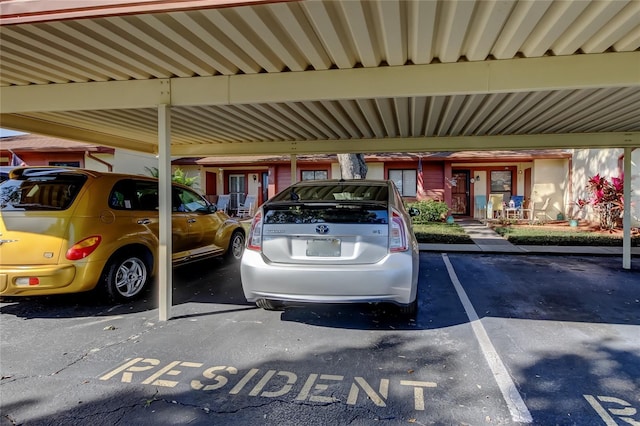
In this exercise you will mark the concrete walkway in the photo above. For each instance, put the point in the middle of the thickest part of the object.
(486, 240)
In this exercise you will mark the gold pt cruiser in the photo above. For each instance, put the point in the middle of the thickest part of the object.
(66, 230)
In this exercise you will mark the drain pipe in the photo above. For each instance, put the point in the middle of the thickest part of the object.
(99, 160)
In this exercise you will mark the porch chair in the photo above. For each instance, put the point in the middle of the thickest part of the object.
(480, 202)
(518, 200)
(497, 205)
(246, 208)
(526, 212)
(540, 211)
(223, 203)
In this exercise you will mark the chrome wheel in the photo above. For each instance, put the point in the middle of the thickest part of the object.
(131, 277)
(236, 246)
(126, 277)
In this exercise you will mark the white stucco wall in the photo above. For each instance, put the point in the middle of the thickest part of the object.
(192, 171)
(589, 162)
(126, 161)
(549, 192)
(122, 161)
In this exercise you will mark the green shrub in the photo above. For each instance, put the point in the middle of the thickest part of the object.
(430, 211)
(441, 233)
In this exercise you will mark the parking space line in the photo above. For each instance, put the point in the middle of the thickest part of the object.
(105, 319)
(517, 408)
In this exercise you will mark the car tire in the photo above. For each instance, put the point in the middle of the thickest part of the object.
(269, 305)
(125, 277)
(410, 310)
(236, 246)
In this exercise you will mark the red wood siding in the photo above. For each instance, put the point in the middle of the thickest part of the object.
(433, 178)
(283, 177)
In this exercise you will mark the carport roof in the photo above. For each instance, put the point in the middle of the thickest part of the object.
(291, 77)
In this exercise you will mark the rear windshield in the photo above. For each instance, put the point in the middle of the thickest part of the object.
(40, 191)
(339, 213)
(334, 192)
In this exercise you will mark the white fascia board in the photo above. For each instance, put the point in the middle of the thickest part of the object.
(462, 143)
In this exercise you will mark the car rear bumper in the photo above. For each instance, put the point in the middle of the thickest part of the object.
(53, 279)
(393, 279)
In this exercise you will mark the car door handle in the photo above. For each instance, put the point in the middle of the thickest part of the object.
(144, 221)
(191, 220)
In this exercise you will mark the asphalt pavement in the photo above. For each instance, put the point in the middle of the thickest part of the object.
(486, 240)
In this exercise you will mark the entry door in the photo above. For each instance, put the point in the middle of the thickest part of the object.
(460, 192)
(237, 191)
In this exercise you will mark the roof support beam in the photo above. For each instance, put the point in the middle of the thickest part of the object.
(504, 76)
(462, 143)
(86, 96)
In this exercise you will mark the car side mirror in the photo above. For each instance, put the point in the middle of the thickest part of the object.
(213, 208)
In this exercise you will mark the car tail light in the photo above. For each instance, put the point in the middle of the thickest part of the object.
(255, 234)
(83, 248)
(398, 237)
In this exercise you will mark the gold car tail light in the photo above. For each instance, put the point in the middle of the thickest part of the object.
(83, 248)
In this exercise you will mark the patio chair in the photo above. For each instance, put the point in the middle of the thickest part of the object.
(515, 212)
(246, 208)
(497, 205)
(540, 211)
(480, 206)
(526, 212)
(223, 203)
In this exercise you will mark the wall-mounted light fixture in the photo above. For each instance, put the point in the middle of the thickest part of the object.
(255, 178)
(478, 178)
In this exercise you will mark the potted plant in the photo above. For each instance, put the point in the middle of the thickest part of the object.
(575, 217)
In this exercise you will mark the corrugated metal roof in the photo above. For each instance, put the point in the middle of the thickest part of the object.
(343, 75)
(21, 143)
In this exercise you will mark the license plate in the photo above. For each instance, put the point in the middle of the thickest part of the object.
(323, 247)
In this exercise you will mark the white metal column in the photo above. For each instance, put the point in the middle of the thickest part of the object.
(626, 214)
(165, 299)
(294, 169)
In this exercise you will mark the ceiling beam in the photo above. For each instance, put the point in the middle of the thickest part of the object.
(85, 96)
(462, 143)
(499, 76)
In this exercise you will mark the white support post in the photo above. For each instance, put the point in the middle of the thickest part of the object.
(626, 214)
(165, 299)
(294, 169)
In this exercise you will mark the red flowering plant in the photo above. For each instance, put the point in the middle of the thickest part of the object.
(607, 199)
(581, 203)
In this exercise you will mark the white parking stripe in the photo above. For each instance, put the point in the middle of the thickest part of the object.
(517, 408)
(106, 319)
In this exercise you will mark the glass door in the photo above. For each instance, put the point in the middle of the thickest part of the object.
(460, 192)
(237, 191)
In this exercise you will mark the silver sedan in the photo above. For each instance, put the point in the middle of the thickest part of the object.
(332, 242)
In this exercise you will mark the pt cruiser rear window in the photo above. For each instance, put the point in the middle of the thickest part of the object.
(40, 190)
